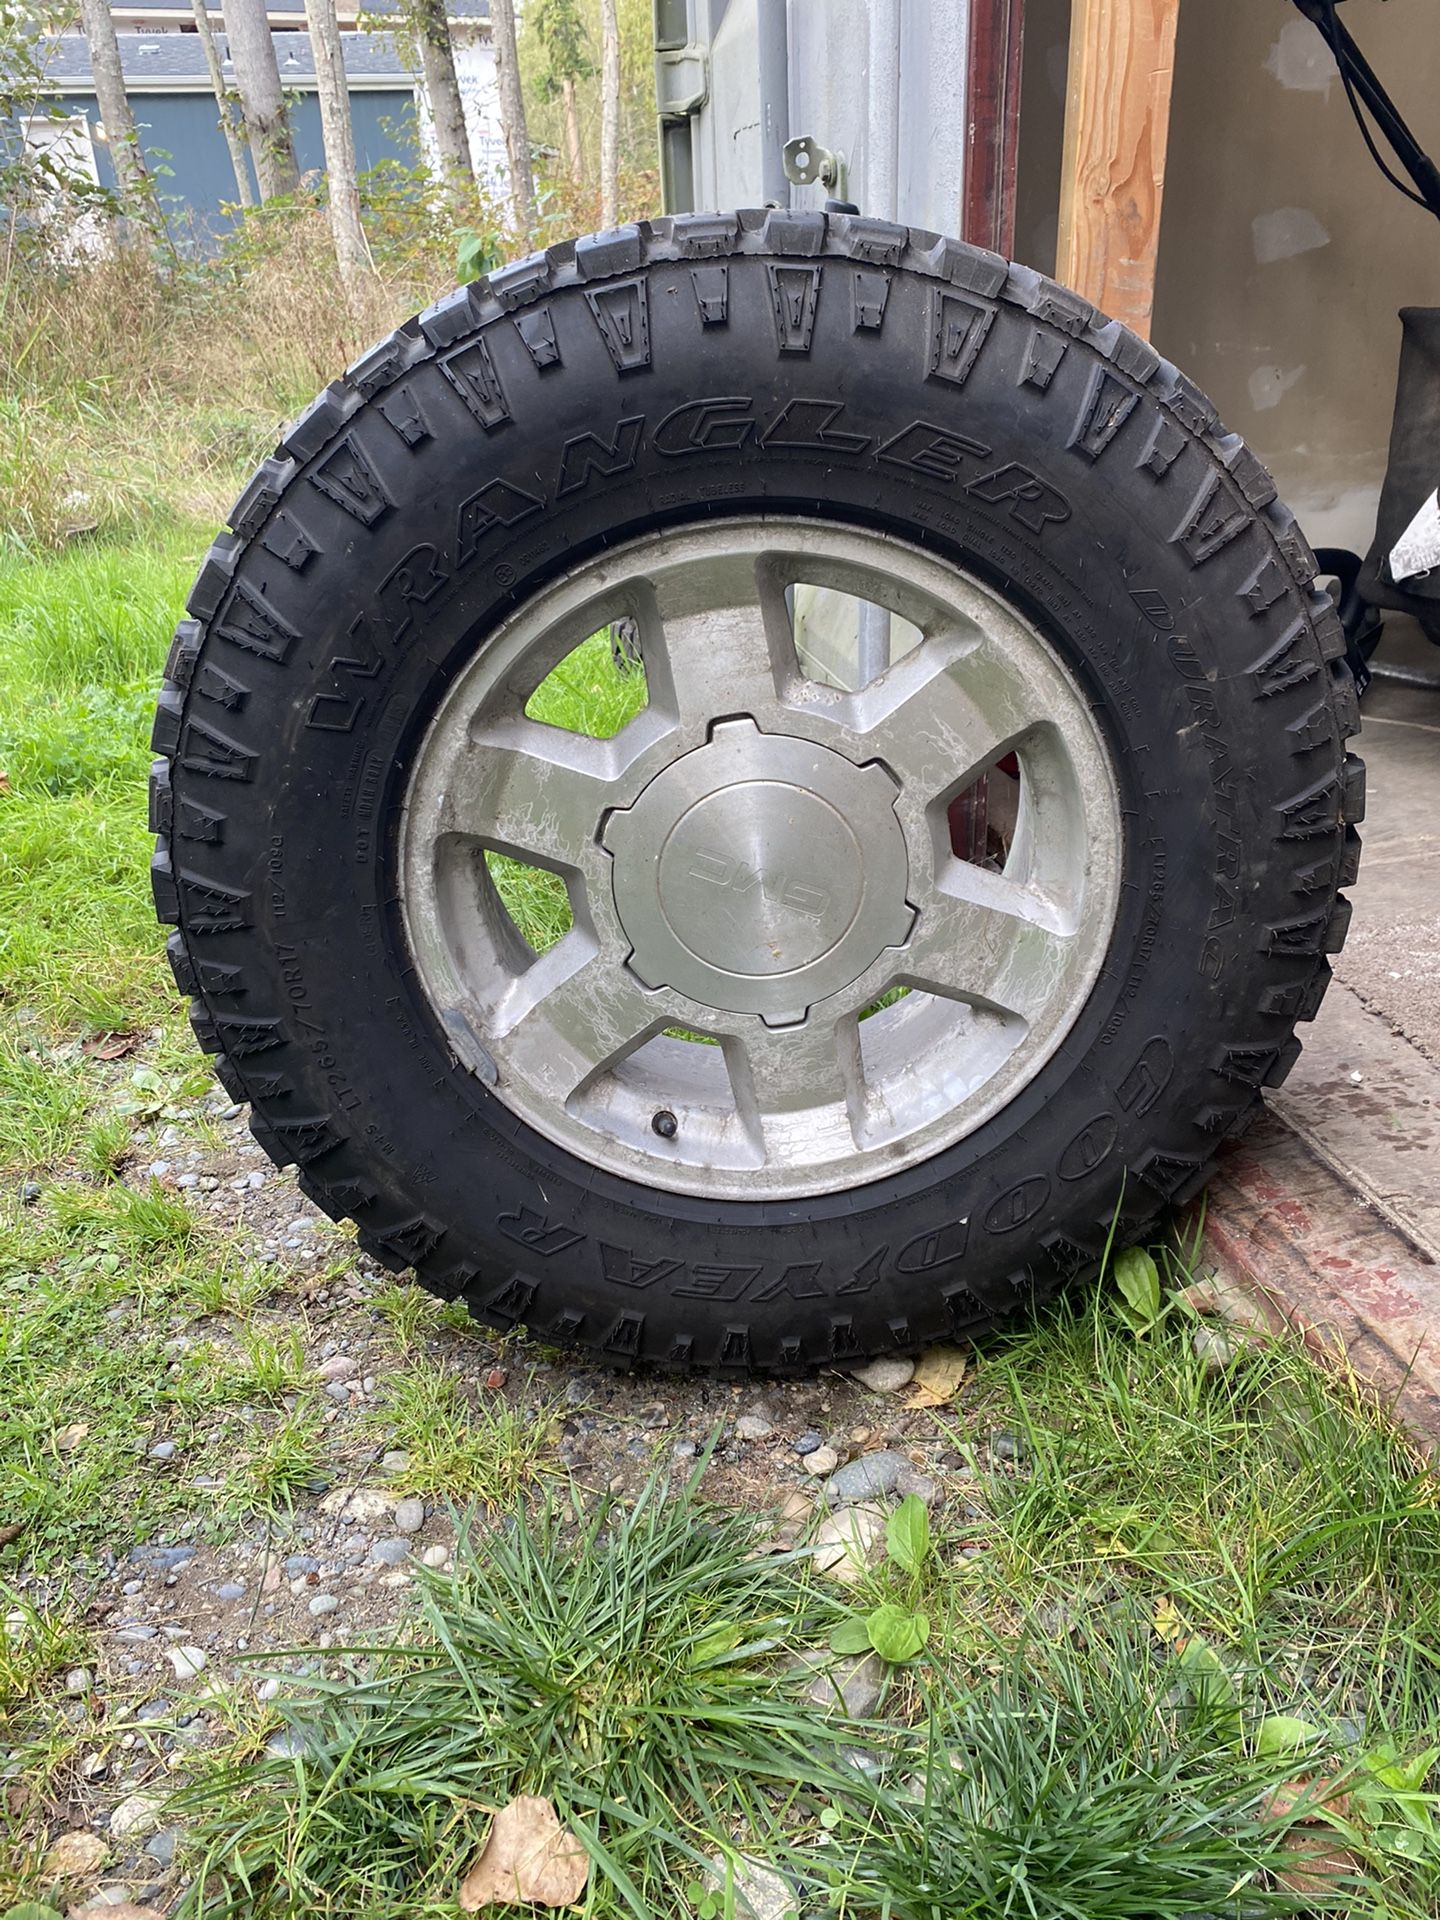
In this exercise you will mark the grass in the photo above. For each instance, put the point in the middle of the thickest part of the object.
(469, 1446)
(618, 1662)
(83, 636)
(630, 1663)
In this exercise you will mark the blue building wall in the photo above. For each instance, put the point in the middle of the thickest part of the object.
(182, 131)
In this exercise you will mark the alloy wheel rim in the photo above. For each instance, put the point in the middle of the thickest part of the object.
(759, 857)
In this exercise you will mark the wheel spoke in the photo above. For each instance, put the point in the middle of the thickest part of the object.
(528, 789)
(795, 1081)
(946, 712)
(716, 638)
(562, 1023)
(985, 938)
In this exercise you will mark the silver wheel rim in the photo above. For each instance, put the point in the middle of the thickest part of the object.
(758, 858)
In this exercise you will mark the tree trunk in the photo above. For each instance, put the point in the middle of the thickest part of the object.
(574, 152)
(233, 138)
(442, 88)
(339, 137)
(119, 122)
(609, 115)
(512, 115)
(257, 74)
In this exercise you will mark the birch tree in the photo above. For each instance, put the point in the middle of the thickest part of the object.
(609, 115)
(561, 34)
(428, 22)
(339, 138)
(119, 122)
(234, 139)
(512, 115)
(257, 75)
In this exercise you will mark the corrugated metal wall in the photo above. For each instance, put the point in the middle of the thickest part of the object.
(881, 81)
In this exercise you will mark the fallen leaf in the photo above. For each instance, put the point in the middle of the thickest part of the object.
(937, 1377)
(1168, 1624)
(75, 1856)
(12, 1530)
(1318, 1864)
(110, 1046)
(68, 1438)
(528, 1857)
(1306, 1801)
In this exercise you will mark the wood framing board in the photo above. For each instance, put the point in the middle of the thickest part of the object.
(1117, 119)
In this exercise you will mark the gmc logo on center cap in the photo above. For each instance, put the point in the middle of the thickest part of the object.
(736, 877)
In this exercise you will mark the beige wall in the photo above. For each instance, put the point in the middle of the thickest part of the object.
(1283, 253)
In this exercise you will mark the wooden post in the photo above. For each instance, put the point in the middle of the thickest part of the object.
(1117, 119)
(992, 97)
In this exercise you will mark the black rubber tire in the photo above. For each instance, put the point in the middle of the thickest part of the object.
(705, 365)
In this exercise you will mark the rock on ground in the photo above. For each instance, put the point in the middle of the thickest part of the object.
(760, 1893)
(75, 1856)
(848, 1543)
(137, 1814)
(410, 1516)
(852, 1685)
(869, 1478)
(887, 1375)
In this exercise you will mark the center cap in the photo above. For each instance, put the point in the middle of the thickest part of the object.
(760, 873)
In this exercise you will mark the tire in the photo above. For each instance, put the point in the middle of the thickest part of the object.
(672, 381)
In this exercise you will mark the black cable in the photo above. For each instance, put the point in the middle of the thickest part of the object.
(1335, 44)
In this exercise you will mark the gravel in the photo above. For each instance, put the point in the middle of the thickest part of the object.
(850, 1686)
(759, 1892)
(390, 1553)
(160, 1559)
(886, 1375)
(324, 1603)
(163, 1450)
(137, 1814)
(809, 1442)
(868, 1478)
(848, 1543)
(753, 1426)
(189, 1662)
(821, 1460)
(410, 1516)
(161, 1846)
(1215, 1349)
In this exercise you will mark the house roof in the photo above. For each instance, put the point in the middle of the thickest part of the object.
(175, 62)
(280, 11)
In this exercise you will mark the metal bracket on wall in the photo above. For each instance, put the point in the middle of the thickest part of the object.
(682, 81)
(806, 161)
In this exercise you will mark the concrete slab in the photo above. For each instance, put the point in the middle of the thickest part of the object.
(1392, 957)
(1326, 1218)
